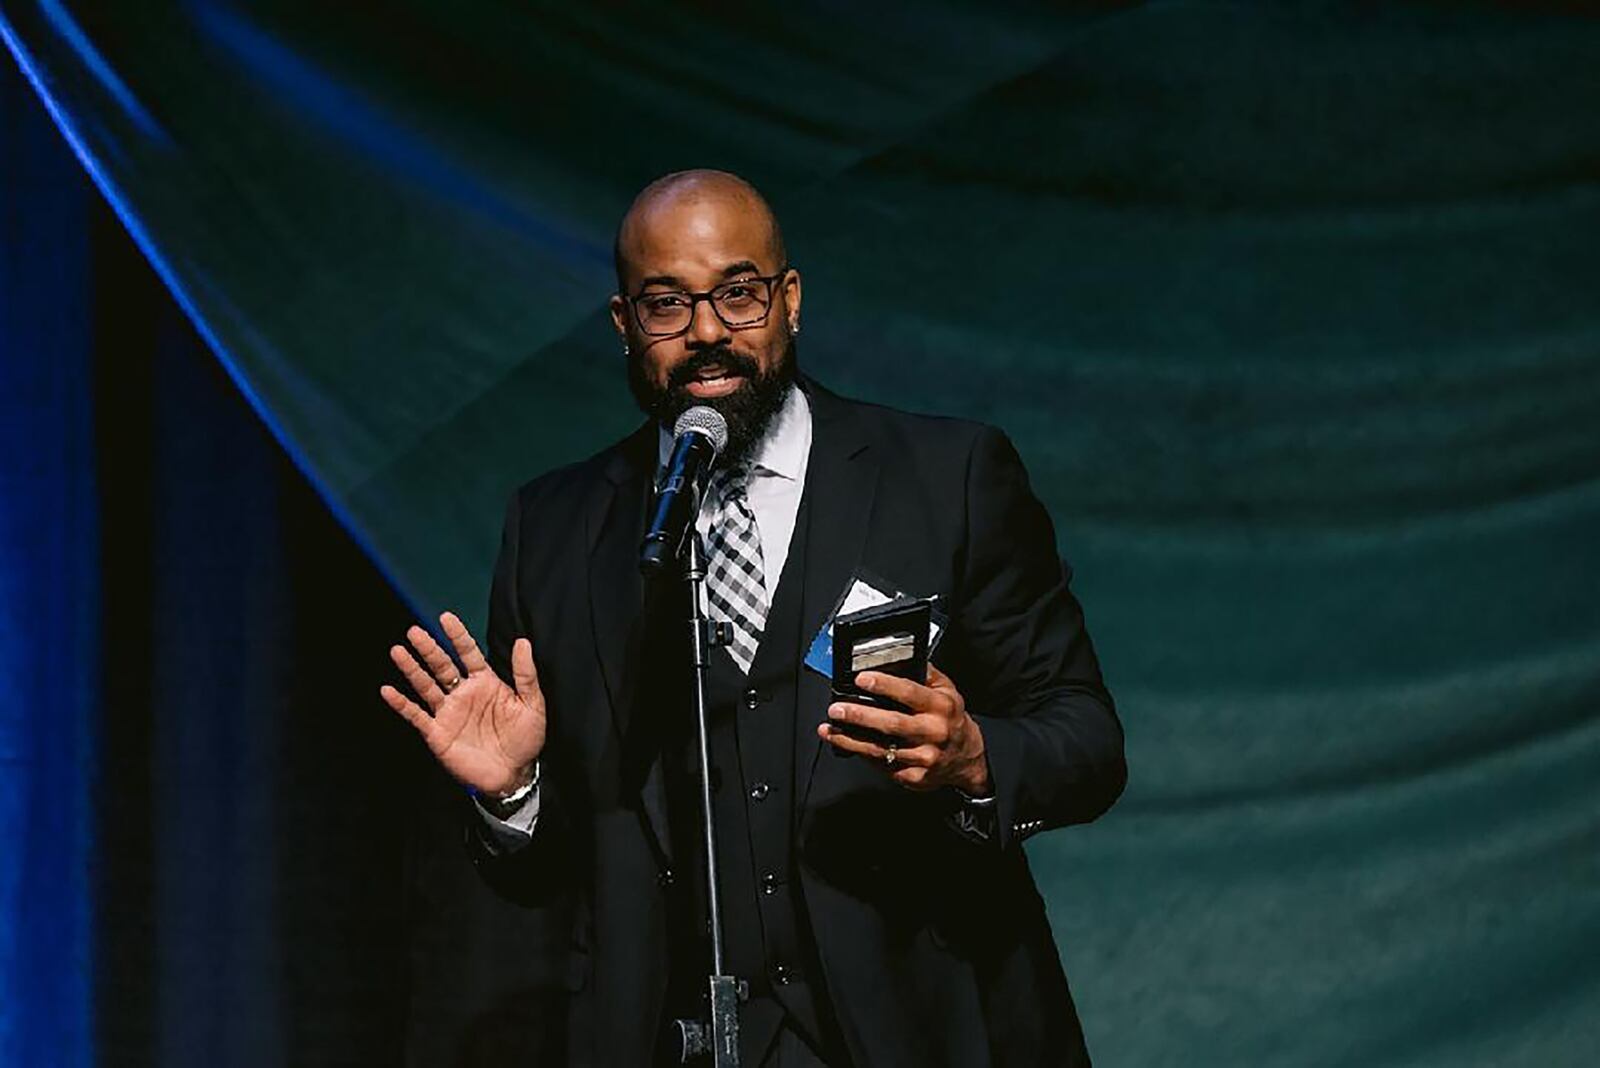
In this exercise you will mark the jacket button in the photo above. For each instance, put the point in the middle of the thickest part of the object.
(782, 975)
(759, 791)
(664, 877)
(769, 883)
(752, 698)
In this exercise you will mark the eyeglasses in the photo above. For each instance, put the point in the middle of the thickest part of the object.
(741, 303)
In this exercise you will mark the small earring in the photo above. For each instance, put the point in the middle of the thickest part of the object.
(626, 350)
(794, 327)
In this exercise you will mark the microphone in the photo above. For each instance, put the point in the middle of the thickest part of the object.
(698, 436)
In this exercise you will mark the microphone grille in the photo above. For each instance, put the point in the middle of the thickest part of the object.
(705, 420)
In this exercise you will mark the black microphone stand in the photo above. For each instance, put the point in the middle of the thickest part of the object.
(719, 1036)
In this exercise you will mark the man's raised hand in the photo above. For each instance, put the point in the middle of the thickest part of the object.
(485, 733)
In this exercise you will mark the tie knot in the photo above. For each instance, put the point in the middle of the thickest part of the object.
(730, 483)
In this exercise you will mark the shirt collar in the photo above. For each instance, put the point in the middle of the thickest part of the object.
(782, 450)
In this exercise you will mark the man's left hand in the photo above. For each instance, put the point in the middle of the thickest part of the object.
(934, 742)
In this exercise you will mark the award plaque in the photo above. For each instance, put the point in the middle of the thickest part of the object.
(891, 638)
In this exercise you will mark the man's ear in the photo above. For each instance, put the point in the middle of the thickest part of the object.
(791, 298)
(619, 318)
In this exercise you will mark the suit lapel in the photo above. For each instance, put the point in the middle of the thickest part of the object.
(841, 480)
(615, 526)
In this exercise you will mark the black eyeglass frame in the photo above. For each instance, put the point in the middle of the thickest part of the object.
(769, 280)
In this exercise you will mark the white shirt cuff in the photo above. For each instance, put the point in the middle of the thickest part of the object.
(511, 832)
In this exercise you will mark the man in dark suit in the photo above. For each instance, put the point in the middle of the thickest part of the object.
(876, 897)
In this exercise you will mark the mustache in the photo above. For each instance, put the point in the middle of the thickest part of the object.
(734, 362)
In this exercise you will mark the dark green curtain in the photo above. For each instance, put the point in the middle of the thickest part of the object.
(1290, 308)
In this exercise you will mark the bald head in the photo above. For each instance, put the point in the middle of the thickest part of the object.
(689, 205)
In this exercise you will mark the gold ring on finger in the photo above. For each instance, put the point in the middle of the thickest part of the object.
(890, 756)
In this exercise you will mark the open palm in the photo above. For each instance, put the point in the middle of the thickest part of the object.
(486, 734)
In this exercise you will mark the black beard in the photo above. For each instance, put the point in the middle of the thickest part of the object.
(749, 409)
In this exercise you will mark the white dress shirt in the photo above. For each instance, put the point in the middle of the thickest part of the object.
(777, 479)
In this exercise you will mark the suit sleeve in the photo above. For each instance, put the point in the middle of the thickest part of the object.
(1029, 671)
(510, 859)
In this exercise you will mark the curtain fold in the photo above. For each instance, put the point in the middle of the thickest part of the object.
(49, 604)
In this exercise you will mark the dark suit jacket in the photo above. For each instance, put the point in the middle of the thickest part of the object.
(935, 949)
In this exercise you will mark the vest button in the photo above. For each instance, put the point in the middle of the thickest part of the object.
(759, 791)
(664, 877)
(752, 698)
(769, 883)
(782, 975)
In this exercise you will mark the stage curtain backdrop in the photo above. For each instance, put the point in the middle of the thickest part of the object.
(1289, 308)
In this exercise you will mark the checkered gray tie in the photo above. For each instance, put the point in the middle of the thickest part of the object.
(734, 585)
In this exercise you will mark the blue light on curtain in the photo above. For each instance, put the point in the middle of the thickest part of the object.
(48, 603)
